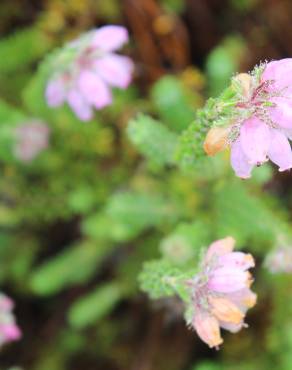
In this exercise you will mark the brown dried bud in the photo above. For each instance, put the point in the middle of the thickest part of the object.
(216, 140)
(245, 81)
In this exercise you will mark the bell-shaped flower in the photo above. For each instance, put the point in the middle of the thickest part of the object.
(86, 69)
(261, 121)
(221, 292)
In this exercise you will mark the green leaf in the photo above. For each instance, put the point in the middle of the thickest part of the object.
(244, 216)
(10, 115)
(190, 152)
(207, 365)
(185, 243)
(94, 306)
(133, 212)
(72, 266)
(22, 48)
(243, 5)
(127, 214)
(175, 6)
(160, 278)
(173, 103)
(223, 62)
(154, 140)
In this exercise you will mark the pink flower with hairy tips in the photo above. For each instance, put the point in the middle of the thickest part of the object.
(87, 69)
(221, 292)
(31, 139)
(264, 135)
(261, 120)
(9, 331)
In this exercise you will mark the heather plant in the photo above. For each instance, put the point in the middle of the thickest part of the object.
(137, 213)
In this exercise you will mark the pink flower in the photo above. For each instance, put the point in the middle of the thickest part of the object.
(31, 139)
(85, 80)
(261, 119)
(9, 331)
(221, 292)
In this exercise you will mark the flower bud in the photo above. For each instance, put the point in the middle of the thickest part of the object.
(245, 81)
(216, 140)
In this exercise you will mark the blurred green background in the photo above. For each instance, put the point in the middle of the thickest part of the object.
(78, 222)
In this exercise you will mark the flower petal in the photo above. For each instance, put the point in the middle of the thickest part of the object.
(233, 328)
(287, 133)
(227, 280)
(225, 310)
(243, 299)
(220, 247)
(281, 113)
(280, 150)
(239, 162)
(110, 38)
(207, 328)
(239, 260)
(55, 92)
(79, 105)
(279, 72)
(10, 331)
(94, 89)
(255, 140)
(116, 70)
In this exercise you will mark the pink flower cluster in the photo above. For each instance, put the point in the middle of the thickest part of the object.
(9, 331)
(31, 139)
(85, 80)
(221, 292)
(264, 134)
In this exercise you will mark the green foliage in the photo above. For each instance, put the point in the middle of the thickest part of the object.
(176, 6)
(190, 149)
(207, 365)
(185, 242)
(162, 279)
(94, 306)
(173, 103)
(244, 5)
(223, 62)
(134, 212)
(190, 154)
(73, 266)
(245, 217)
(22, 48)
(153, 140)
(108, 9)
(9, 114)
(127, 214)
(9, 118)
